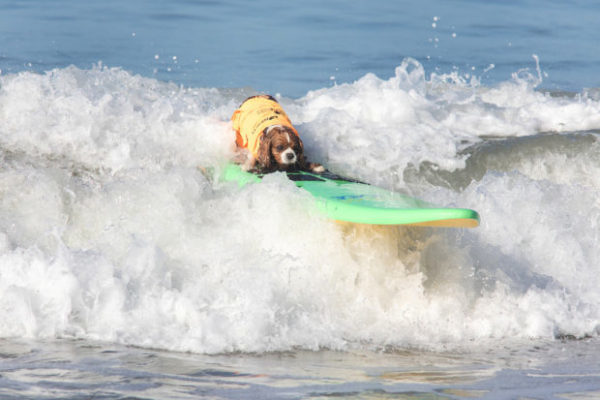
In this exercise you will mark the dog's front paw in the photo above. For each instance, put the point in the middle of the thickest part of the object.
(249, 165)
(317, 168)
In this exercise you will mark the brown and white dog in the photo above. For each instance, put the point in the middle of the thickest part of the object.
(271, 141)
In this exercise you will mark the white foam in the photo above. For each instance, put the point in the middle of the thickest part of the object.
(375, 128)
(107, 118)
(109, 231)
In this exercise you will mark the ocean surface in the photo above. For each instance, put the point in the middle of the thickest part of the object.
(127, 272)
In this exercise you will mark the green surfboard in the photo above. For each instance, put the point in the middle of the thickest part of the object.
(343, 199)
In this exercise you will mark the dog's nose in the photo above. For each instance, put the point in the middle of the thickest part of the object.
(290, 156)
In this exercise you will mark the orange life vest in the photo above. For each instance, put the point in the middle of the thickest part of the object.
(254, 115)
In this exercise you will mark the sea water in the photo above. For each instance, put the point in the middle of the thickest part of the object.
(129, 270)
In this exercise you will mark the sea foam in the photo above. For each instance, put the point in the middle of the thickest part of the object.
(111, 229)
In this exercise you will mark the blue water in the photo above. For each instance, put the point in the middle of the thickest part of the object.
(300, 46)
(127, 272)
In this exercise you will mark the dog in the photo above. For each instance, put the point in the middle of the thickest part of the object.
(272, 143)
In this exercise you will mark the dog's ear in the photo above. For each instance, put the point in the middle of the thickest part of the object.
(303, 163)
(265, 159)
(301, 159)
(300, 144)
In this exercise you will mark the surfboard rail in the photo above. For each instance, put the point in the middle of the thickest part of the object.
(349, 200)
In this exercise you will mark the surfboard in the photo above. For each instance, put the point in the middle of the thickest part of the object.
(344, 199)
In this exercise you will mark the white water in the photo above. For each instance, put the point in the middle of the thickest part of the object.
(109, 230)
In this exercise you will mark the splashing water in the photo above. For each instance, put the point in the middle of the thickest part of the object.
(110, 231)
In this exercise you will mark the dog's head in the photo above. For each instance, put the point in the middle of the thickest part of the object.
(280, 149)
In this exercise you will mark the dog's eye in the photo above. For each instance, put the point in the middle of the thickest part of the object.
(279, 148)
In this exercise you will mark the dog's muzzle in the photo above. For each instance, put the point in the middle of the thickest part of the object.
(288, 156)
